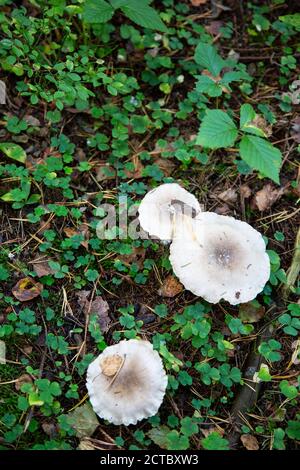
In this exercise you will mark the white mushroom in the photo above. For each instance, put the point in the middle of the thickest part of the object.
(221, 258)
(127, 382)
(164, 205)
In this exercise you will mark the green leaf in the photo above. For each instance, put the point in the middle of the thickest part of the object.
(262, 156)
(143, 14)
(217, 130)
(247, 114)
(207, 56)
(83, 420)
(291, 20)
(97, 11)
(290, 391)
(13, 151)
(293, 430)
(215, 442)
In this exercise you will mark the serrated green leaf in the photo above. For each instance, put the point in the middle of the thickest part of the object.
(13, 151)
(291, 20)
(217, 130)
(262, 156)
(97, 11)
(247, 114)
(206, 55)
(143, 14)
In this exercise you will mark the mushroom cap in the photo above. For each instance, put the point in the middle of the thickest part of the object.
(160, 206)
(127, 382)
(221, 258)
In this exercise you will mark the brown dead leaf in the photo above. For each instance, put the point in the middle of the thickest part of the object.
(82, 298)
(105, 172)
(165, 165)
(251, 312)
(137, 256)
(249, 442)
(245, 191)
(197, 3)
(27, 289)
(23, 379)
(98, 307)
(295, 131)
(170, 287)
(222, 210)
(50, 429)
(41, 267)
(137, 171)
(266, 197)
(214, 27)
(101, 308)
(260, 122)
(83, 230)
(229, 196)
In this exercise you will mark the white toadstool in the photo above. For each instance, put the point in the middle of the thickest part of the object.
(164, 205)
(221, 258)
(127, 382)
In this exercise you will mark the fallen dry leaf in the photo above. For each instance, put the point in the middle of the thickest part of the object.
(83, 230)
(266, 197)
(23, 379)
(27, 289)
(214, 27)
(137, 171)
(137, 256)
(222, 210)
(197, 3)
(98, 307)
(170, 287)
(105, 172)
(295, 131)
(41, 267)
(85, 444)
(83, 420)
(101, 308)
(261, 123)
(165, 165)
(50, 429)
(82, 296)
(229, 196)
(245, 191)
(251, 312)
(249, 442)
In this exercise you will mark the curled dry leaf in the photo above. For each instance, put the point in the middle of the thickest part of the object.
(229, 196)
(23, 379)
(266, 197)
(85, 444)
(197, 3)
(170, 287)
(249, 442)
(251, 312)
(27, 289)
(41, 267)
(245, 191)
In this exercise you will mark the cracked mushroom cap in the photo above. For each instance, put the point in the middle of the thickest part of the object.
(162, 206)
(127, 382)
(222, 258)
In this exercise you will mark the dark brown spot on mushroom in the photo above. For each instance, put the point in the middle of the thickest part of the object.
(237, 295)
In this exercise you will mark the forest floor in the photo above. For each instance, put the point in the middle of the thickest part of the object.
(93, 111)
